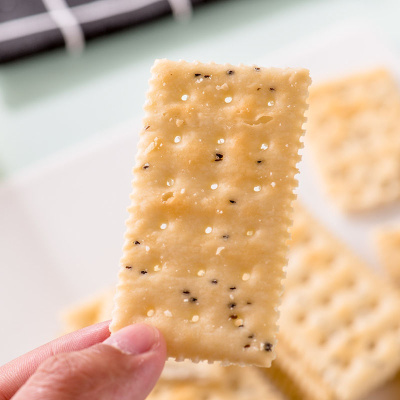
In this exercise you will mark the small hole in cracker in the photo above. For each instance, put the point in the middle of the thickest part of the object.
(371, 345)
(324, 300)
(239, 323)
(264, 119)
(322, 340)
(166, 196)
(300, 317)
(246, 276)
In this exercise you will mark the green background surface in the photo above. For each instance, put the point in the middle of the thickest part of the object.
(54, 101)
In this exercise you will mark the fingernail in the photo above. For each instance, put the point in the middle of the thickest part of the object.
(134, 339)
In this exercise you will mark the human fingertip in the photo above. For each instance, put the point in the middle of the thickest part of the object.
(135, 339)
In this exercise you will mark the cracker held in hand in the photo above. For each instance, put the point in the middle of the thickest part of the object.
(211, 206)
(340, 329)
(354, 130)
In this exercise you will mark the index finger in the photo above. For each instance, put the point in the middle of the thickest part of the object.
(14, 374)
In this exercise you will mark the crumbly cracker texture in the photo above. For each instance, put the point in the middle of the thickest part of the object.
(211, 205)
(340, 332)
(353, 129)
(388, 245)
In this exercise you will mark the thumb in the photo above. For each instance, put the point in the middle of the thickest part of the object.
(125, 366)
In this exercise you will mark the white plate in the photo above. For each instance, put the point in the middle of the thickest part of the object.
(62, 222)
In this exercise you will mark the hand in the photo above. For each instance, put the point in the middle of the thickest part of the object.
(88, 364)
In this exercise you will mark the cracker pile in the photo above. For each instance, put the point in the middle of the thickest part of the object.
(340, 326)
(211, 206)
(353, 129)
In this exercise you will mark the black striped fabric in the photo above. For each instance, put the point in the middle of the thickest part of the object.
(27, 27)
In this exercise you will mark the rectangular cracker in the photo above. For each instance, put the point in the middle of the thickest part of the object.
(353, 129)
(388, 245)
(339, 328)
(211, 206)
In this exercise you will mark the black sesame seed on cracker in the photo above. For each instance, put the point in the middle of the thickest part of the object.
(267, 346)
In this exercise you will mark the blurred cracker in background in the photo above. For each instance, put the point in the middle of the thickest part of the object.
(339, 328)
(353, 130)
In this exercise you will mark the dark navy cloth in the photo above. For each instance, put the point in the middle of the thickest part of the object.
(27, 28)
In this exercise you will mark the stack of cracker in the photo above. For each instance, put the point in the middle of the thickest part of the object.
(340, 330)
